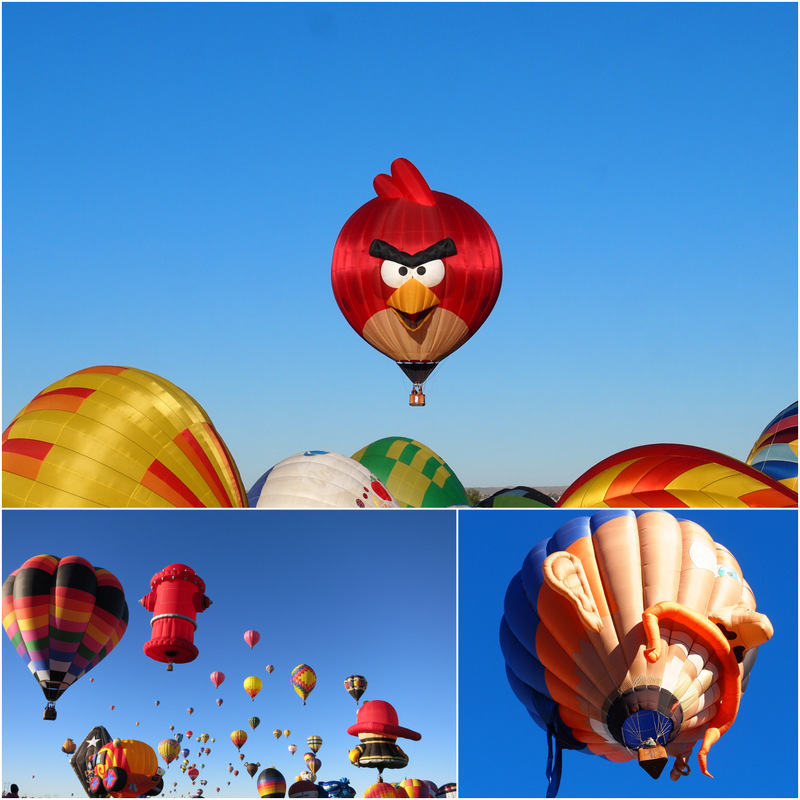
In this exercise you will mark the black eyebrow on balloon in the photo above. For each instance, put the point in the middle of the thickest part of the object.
(386, 251)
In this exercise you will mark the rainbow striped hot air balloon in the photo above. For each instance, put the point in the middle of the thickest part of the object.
(775, 451)
(271, 783)
(63, 616)
(303, 679)
(117, 437)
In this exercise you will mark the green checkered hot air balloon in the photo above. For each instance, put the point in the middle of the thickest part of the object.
(413, 473)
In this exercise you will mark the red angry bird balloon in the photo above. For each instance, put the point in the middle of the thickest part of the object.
(415, 272)
(177, 597)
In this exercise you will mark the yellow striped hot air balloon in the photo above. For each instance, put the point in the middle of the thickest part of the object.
(117, 437)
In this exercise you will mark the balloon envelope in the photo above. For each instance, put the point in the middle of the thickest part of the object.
(252, 638)
(415, 475)
(63, 616)
(252, 686)
(117, 437)
(775, 451)
(217, 678)
(611, 636)
(271, 783)
(518, 497)
(303, 679)
(675, 476)
(356, 685)
(415, 272)
(319, 479)
(238, 738)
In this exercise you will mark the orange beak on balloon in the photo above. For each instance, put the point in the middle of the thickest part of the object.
(413, 303)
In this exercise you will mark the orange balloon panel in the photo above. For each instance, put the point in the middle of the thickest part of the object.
(117, 437)
(630, 630)
(675, 476)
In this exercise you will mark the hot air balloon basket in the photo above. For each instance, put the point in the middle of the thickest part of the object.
(653, 760)
(49, 712)
(416, 399)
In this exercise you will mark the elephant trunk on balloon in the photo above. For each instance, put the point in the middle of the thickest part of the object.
(176, 598)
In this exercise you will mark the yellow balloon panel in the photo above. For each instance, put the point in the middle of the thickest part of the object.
(117, 437)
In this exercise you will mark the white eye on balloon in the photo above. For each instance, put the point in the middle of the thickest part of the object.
(428, 274)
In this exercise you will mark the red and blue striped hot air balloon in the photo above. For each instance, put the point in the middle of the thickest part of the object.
(775, 450)
(63, 616)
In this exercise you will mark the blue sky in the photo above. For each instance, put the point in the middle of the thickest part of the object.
(757, 756)
(175, 176)
(329, 589)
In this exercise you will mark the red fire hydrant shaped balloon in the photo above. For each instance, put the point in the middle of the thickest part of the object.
(177, 596)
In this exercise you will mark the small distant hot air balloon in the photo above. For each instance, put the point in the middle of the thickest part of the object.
(63, 616)
(356, 685)
(169, 749)
(193, 773)
(314, 742)
(252, 637)
(204, 737)
(254, 722)
(252, 685)
(112, 707)
(313, 764)
(68, 747)
(303, 679)
(219, 701)
(277, 733)
(190, 711)
(270, 669)
(287, 733)
(252, 768)
(238, 738)
(217, 678)
(292, 748)
(158, 702)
